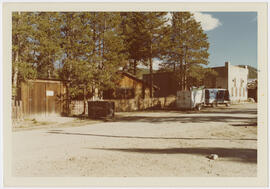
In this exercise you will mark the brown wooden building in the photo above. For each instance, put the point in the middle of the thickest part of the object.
(165, 82)
(129, 87)
(43, 97)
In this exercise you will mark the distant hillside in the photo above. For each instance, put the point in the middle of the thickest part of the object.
(252, 72)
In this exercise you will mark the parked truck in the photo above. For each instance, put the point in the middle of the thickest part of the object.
(196, 98)
(190, 99)
(214, 97)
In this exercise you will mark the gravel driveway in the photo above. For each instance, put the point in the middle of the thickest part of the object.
(144, 144)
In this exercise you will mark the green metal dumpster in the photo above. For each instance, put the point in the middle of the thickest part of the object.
(101, 109)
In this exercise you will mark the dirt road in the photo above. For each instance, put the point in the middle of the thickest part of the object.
(144, 144)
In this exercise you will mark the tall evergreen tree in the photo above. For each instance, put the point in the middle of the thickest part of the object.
(76, 45)
(23, 65)
(152, 26)
(133, 38)
(110, 49)
(93, 50)
(188, 48)
(47, 43)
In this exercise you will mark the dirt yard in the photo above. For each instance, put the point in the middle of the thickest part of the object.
(142, 144)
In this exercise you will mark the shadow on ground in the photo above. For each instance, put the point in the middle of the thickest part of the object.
(246, 124)
(228, 111)
(144, 137)
(229, 114)
(234, 154)
(184, 119)
(216, 110)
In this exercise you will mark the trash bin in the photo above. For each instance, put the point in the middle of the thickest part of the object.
(100, 109)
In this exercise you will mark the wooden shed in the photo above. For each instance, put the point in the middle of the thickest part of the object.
(129, 87)
(43, 97)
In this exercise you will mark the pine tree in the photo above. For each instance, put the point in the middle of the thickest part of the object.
(188, 48)
(110, 50)
(92, 50)
(76, 45)
(153, 28)
(23, 65)
(47, 43)
(133, 39)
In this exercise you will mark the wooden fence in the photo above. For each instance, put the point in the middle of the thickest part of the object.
(77, 106)
(17, 110)
(128, 105)
(145, 104)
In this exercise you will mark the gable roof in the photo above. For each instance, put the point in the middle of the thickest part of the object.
(136, 79)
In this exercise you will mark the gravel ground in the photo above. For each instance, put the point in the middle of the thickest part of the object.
(143, 144)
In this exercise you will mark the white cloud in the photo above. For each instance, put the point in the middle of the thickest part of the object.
(207, 21)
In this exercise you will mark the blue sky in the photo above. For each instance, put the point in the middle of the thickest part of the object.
(232, 37)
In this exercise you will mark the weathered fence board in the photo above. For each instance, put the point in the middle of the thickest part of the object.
(17, 110)
(127, 105)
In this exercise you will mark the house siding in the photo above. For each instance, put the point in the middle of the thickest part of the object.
(237, 82)
(130, 82)
(42, 97)
(233, 78)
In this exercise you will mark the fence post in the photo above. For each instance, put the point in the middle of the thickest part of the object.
(20, 110)
(17, 110)
(13, 110)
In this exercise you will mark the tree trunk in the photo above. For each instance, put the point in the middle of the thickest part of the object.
(185, 69)
(94, 34)
(15, 75)
(134, 67)
(84, 99)
(151, 77)
(181, 73)
(103, 40)
(184, 78)
(49, 71)
(16, 69)
(151, 68)
(67, 99)
(99, 50)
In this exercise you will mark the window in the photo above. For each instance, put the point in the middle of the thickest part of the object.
(220, 95)
(232, 92)
(242, 81)
(234, 82)
(235, 91)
